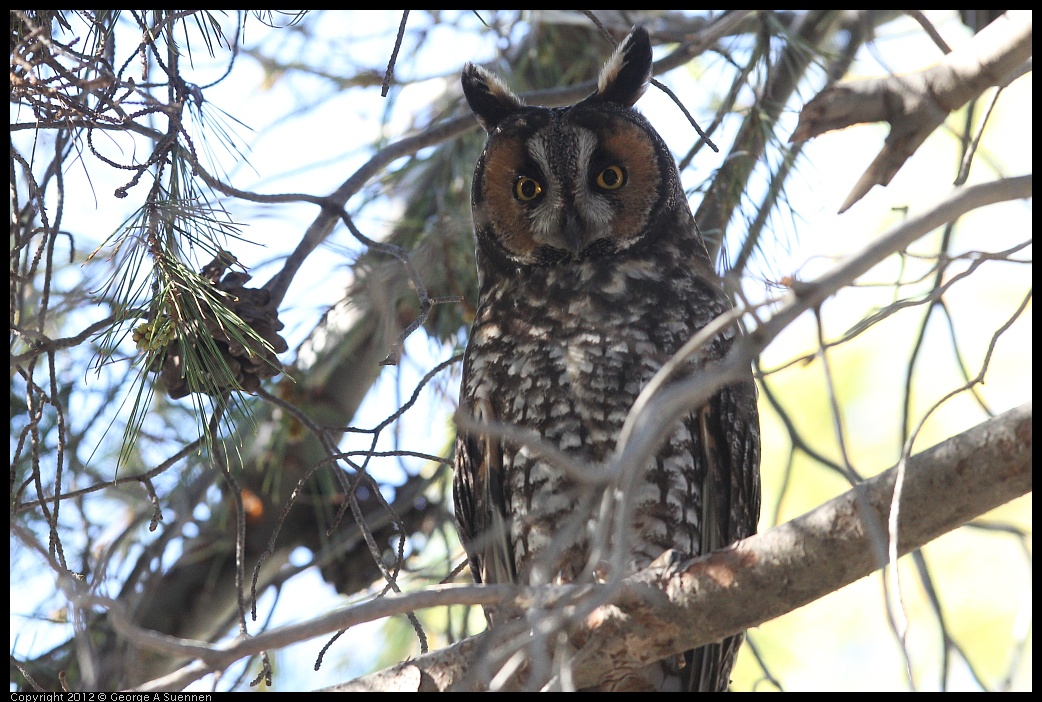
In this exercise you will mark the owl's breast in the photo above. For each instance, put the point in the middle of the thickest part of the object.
(565, 351)
(568, 378)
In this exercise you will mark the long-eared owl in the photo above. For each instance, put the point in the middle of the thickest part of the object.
(592, 275)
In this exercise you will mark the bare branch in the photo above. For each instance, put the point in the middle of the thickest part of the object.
(667, 609)
(915, 105)
(706, 599)
(652, 421)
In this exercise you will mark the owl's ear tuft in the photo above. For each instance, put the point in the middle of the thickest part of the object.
(489, 98)
(627, 73)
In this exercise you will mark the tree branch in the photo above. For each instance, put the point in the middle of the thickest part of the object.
(916, 104)
(650, 419)
(670, 608)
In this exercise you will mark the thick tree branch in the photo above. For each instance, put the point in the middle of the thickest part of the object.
(916, 104)
(667, 609)
(725, 193)
(672, 606)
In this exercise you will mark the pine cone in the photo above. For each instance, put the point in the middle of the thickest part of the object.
(248, 361)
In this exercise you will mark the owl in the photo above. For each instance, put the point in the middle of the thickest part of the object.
(592, 275)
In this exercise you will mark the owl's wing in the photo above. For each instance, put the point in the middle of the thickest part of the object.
(740, 428)
(481, 506)
(729, 430)
(728, 450)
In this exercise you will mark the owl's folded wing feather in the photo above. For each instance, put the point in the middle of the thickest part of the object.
(729, 433)
(480, 505)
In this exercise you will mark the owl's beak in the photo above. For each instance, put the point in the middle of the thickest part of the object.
(572, 232)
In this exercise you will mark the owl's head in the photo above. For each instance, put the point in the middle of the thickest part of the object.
(557, 185)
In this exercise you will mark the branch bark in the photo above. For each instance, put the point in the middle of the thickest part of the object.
(671, 608)
(916, 104)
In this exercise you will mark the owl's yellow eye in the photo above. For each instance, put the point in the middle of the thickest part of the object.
(611, 178)
(527, 189)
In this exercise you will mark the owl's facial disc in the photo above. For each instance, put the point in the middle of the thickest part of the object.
(568, 184)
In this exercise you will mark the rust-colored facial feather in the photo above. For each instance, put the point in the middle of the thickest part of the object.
(544, 189)
(641, 193)
(501, 211)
